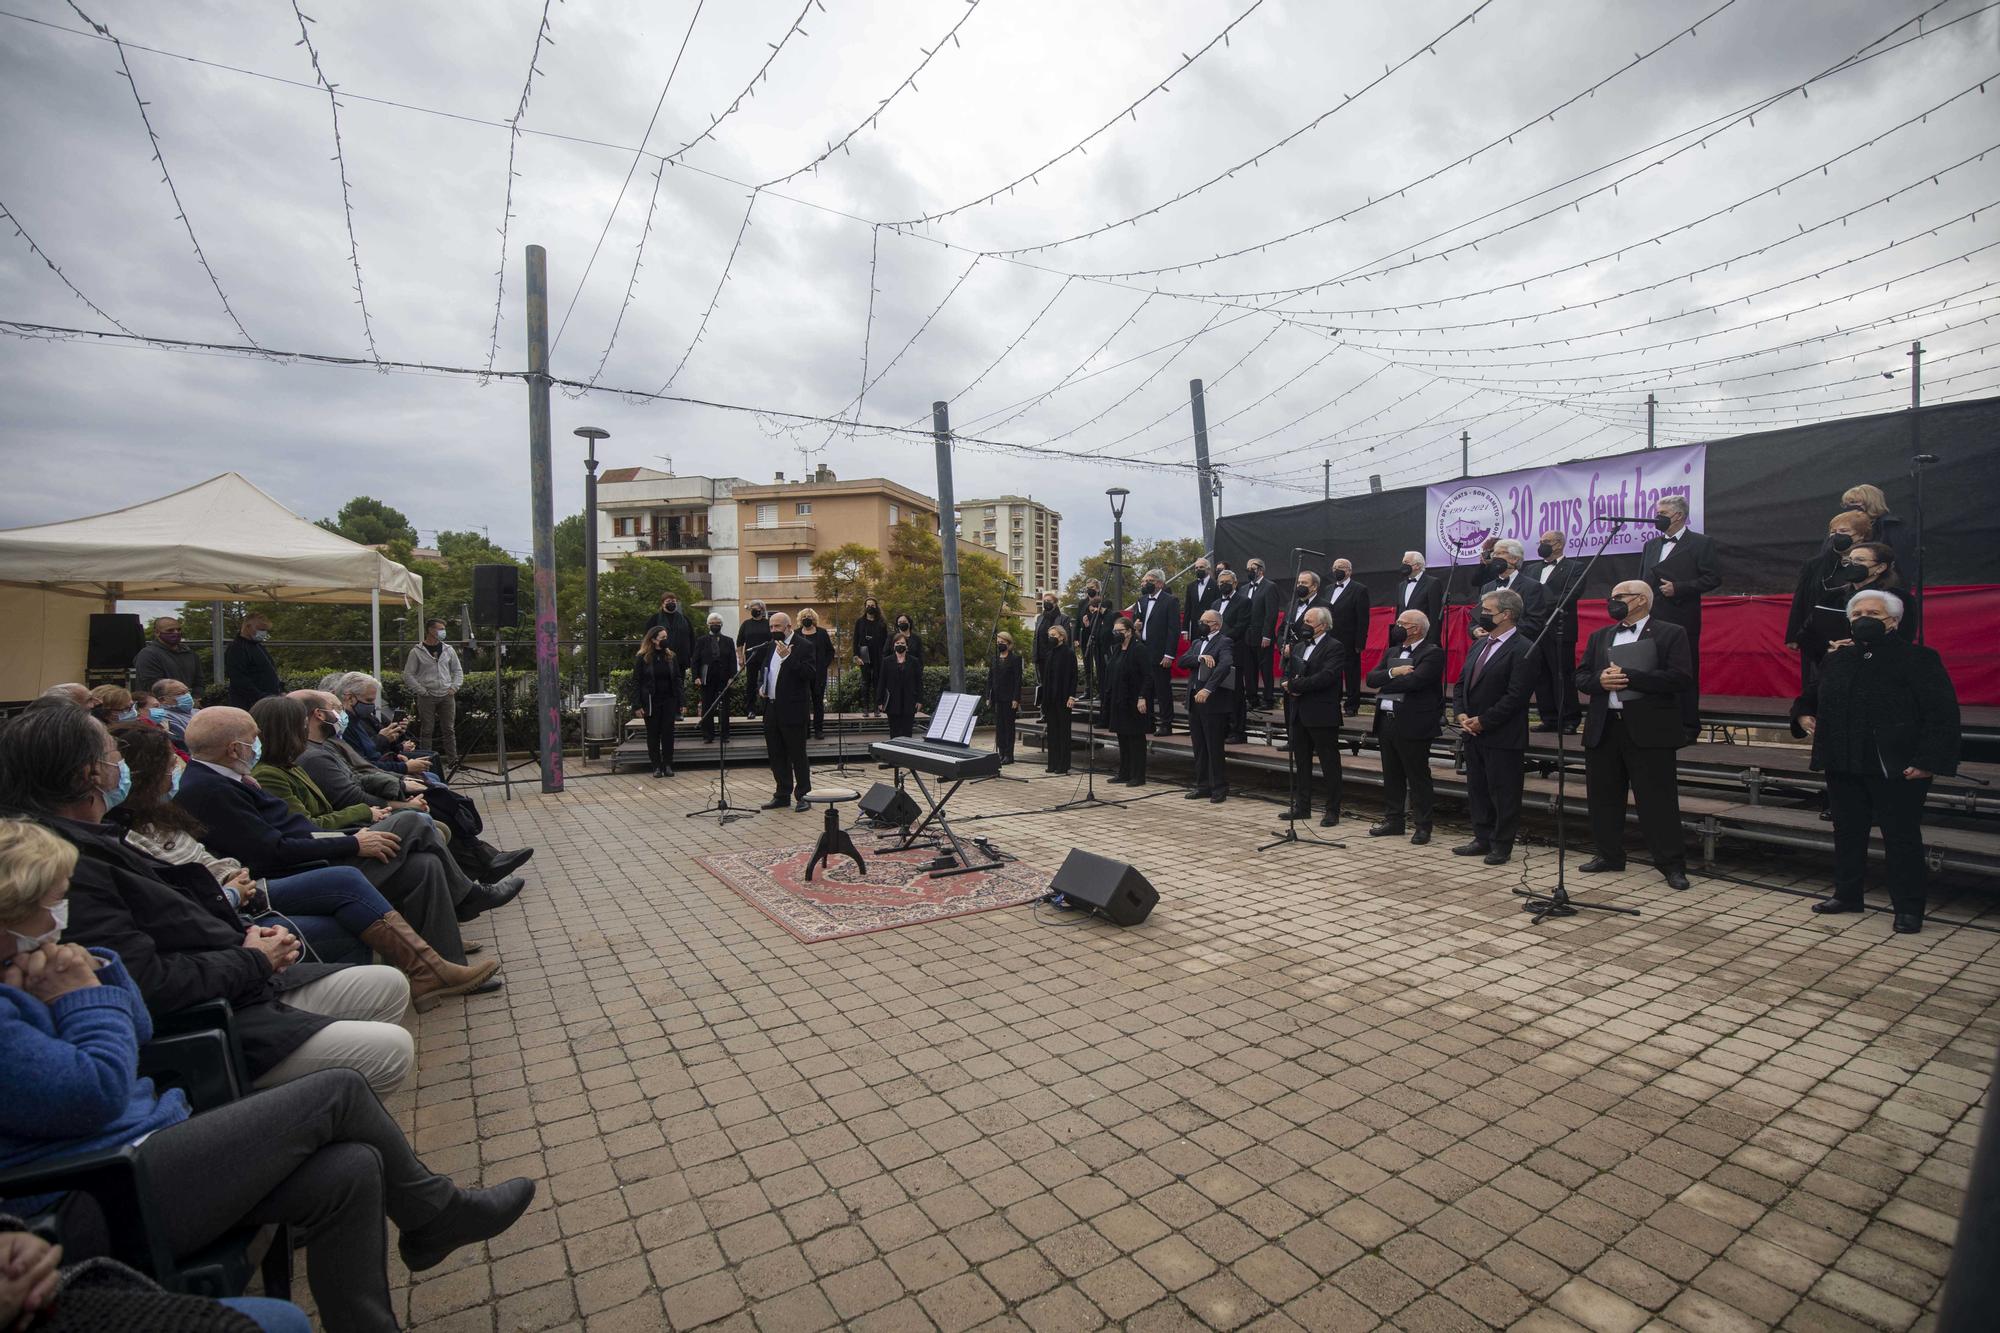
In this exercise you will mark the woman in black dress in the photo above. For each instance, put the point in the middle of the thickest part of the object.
(819, 650)
(656, 696)
(1003, 687)
(1123, 688)
(902, 688)
(1058, 697)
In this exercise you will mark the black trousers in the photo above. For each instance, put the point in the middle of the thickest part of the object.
(1056, 718)
(1493, 781)
(712, 712)
(1132, 757)
(1253, 662)
(1307, 742)
(1208, 727)
(660, 737)
(1350, 679)
(1005, 713)
(791, 771)
(868, 694)
(1615, 766)
(1896, 805)
(819, 703)
(902, 724)
(1555, 687)
(1163, 698)
(1093, 671)
(1406, 775)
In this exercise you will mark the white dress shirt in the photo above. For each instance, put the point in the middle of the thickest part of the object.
(1626, 634)
(1386, 703)
(1548, 568)
(771, 669)
(1410, 590)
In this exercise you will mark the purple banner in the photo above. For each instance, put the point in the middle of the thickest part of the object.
(1570, 498)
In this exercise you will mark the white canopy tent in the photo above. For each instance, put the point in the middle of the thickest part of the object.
(221, 540)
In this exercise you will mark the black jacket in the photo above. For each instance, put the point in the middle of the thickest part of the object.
(1266, 600)
(1162, 632)
(1419, 696)
(1127, 676)
(1881, 710)
(874, 636)
(1003, 679)
(752, 634)
(819, 648)
(1534, 602)
(1239, 622)
(1350, 614)
(655, 685)
(1315, 682)
(1093, 630)
(1564, 587)
(1428, 598)
(1217, 679)
(1499, 697)
(181, 941)
(680, 635)
(899, 686)
(1655, 712)
(791, 706)
(1058, 679)
(714, 659)
(255, 827)
(252, 674)
(1691, 569)
(1197, 597)
(916, 644)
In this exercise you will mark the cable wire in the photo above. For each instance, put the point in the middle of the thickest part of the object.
(41, 254)
(796, 29)
(714, 297)
(340, 160)
(507, 203)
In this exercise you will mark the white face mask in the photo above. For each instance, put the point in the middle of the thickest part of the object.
(48, 938)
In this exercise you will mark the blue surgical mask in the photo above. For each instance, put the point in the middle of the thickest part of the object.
(185, 703)
(340, 723)
(128, 715)
(159, 715)
(262, 636)
(117, 794)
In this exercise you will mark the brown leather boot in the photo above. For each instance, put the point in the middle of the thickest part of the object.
(431, 977)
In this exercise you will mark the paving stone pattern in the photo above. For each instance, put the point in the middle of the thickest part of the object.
(1320, 1089)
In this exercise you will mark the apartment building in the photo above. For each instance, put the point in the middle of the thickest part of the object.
(1023, 533)
(689, 521)
(781, 525)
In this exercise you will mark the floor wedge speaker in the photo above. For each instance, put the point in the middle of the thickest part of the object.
(1117, 891)
(888, 806)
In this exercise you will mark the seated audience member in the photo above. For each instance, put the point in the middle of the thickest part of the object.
(68, 692)
(177, 705)
(1884, 721)
(400, 854)
(182, 941)
(166, 658)
(319, 1154)
(112, 704)
(345, 778)
(338, 913)
(381, 745)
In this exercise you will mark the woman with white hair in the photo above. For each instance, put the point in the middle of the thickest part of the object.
(1883, 718)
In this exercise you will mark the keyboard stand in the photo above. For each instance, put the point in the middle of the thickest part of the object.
(943, 866)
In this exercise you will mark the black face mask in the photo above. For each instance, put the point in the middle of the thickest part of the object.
(1339, 576)
(872, 613)
(364, 709)
(1228, 589)
(1546, 550)
(902, 649)
(756, 613)
(1397, 634)
(1151, 587)
(1868, 630)
(1000, 646)
(904, 626)
(1304, 591)
(715, 629)
(1616, 608)
(1409, 571)
(671, 607)
(1662, 522)
(1839, 542)
(1499, 569)
(1852, 573)
(1485, 621)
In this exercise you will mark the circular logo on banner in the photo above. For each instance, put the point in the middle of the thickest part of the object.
(1468, 516)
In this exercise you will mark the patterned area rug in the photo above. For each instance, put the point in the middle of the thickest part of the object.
(840, 901)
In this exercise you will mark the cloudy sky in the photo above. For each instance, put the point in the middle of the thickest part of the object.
(1367, 227)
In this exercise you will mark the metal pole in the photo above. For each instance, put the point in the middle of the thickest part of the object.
(1204, 475)
(954, 639)
(541, 479)
(215, 671)
(1326, 479)
(1917, 468)
(591, 435)
(375, 628)
(1465, 453)
(1651, 403)
(1117, 564)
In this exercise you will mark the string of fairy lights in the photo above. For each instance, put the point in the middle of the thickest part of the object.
(1575, 399)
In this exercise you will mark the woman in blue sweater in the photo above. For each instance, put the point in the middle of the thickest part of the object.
(319, 1153)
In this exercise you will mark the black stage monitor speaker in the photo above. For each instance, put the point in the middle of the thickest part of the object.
(115, 639)
(887, 805)
(1114, 888)
(496, 596)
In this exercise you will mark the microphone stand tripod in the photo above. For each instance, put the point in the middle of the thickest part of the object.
(1558, 903)
(722, 809)
(1090, 796)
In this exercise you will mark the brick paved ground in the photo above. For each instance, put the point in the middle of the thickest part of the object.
(1320, 1089)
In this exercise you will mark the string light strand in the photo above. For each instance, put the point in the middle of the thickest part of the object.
(340, 161)
(542, 38)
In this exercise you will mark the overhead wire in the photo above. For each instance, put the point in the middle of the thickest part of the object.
(340, 161)
(513, 128)
(796, 29)
(632, 281)
(714, 298)
(41, 254)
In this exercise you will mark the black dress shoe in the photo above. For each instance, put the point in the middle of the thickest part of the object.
(507, 863)
(1831, 906)
(1908, 923)
(484, 898)
(1598, 865)
(1298, 812)
(1218, 798)
(1675, 877)
(667, 772)
(470, 1217)
(1386, 829)
(1499, 856)
(801, 805)
(1329, 820)
(1196, 794)
(1421, 836)
(776, 803)
(1473, 848)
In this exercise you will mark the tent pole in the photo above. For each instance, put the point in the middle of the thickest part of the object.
(375, 628)
(215, 672)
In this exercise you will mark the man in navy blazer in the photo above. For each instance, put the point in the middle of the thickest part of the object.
(1492, 709)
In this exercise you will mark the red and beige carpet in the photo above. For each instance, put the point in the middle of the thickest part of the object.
(840, 901)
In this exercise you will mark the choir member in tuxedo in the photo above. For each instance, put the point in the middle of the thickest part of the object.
(1561, 580)
(1347, 598)
(1211, 667)
(1503, 569)
(1003, 687)
(902, 689)
(1306, 594)
(1420, 590)
(1199, 594)
(1058, 689)
(1632, 730)
(751, 635)
(1313, 713)
(871, 644)
(1253, 651)
(1159, 617)
(1492, 708)
(1409, 705)
(782, 669)
(1235, 609)
(818, 645)
(1679, 566)
(1127, 680)
(714, 668)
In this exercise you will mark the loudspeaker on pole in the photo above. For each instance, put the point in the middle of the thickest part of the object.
(496, 596)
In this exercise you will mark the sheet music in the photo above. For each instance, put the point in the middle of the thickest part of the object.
(952, 722)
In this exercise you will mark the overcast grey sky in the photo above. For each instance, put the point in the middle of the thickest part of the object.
(1536, 363)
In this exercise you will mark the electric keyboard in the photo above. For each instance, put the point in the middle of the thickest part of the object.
(954, 763)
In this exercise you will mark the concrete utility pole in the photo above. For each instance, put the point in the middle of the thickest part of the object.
(590, 435)
(1326, 479)
(1918, 460)
(542, 492)
(954, 636)
(1465, 453)
(1204, 475)
(1651, 403)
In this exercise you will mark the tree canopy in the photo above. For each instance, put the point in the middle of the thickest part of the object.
(1169, 555)
(914, 586)
(842, 579)
(372, 523)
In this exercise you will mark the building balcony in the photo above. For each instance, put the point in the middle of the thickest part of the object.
(795, 536)
(684, 541)
(779, 590)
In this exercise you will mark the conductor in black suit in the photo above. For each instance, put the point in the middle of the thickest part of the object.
(783, 670)
(1679, 566)
(1419, 591)
(1409, 704)
(1159, 617)
(1211, 668)
(1348, 600)
(1561, 581)
(1631, 732)
(1492, 708)
(1312, 700)
(1199, 594)
(1235, 609)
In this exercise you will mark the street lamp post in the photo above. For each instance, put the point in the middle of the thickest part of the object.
(1116, 495)
(590, 435)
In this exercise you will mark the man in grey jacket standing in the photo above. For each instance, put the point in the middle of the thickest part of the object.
(167, 658)
(432, 675)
